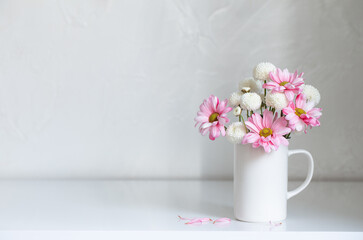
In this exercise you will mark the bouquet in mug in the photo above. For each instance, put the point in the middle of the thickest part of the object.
(269, 106)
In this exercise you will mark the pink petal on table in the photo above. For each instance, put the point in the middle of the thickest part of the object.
(205, 219)
(195, 221)
(181, 218)
(222, 220)
(199, 220)
(275, 224)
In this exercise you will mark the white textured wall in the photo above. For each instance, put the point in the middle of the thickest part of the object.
(110, 88)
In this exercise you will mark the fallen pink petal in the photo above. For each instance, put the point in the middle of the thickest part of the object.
(195, 221)
(204, 220)
(222, 220)
(191, 219)
(275, 224)
(182, 218)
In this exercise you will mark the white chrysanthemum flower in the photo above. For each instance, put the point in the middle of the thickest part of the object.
(251, 101)
(254, 85)
(276, 100)
(235, 132)
(237, 111)
(262, 71)
(311, 93)
(235, 99)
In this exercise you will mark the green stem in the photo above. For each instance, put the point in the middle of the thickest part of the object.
(244, 122)
(240, 117)
(265, 89)
(264, 94)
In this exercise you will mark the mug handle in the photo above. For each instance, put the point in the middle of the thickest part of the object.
(297, 190)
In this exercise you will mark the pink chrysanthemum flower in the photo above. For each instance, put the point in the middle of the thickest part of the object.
(212, 117)
(285, 82)
(302, 114)
(267, 131)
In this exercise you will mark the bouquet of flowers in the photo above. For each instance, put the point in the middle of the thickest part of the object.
(269, 106)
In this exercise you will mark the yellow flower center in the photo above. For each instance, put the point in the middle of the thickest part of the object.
(265, 132)
(213, 117)
(299, 111)
(283, 83)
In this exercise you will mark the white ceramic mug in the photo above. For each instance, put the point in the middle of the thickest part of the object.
(260, 182)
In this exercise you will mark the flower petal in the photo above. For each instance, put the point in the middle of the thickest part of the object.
(276, 141)
(204, 131)
(315, 112)
(250, 138)
(255, 144)
(204, 108)
(222, 130)
(289, 95)
(257, 120)
(222, 105)
(300, 125)
(298, 82)
(292, 118)
(309, 106)
(279, 127)
(195, 221)
(300, 101)
(252, 127)
(226, 110)
(222, 120)
(201, 118)
(215, 102)
(222, 220)
(283, 141)
(205, 125)
(288, 110)
(267, 148)
(270, 85)
(213, 133)
(267, 118)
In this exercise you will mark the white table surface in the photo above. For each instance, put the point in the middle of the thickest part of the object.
(149, 209)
